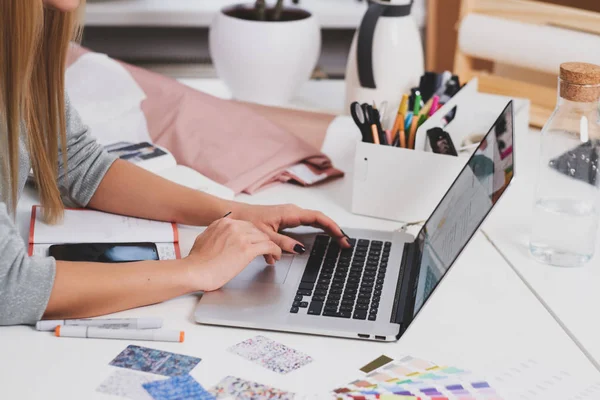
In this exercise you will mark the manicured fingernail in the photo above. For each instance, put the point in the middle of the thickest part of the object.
(344, 233)
(299, 249)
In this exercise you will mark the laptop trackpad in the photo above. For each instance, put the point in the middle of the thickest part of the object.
(259, 271)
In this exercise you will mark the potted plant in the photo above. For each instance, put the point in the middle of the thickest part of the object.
(264, 51)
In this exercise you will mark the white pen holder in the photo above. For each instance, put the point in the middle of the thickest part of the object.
(406, 185)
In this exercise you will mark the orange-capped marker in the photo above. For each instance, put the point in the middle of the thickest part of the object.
(91, 332)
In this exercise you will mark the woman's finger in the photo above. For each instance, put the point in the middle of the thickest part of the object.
(267, 248)
(319, 220)
(288, 244)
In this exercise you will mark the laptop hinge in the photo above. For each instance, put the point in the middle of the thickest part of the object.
(402, 288)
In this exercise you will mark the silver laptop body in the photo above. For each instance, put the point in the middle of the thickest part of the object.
(374, 290)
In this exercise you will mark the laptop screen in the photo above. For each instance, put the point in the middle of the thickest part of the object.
(464, 207)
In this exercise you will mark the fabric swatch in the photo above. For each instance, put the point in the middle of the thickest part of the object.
(240, 389)
(182, 387)
(155, 361)
(270, 354)
(127, 384)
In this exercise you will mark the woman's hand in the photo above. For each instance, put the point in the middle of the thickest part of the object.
(224, 249)
(272, 219)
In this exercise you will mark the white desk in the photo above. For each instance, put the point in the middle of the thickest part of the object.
(332, 14)
(573, 295)
(482, 317)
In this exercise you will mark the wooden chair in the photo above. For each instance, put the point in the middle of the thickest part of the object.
(543, 98)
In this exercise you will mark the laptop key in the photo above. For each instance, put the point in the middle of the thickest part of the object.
(296, 304)
(378, 287)
(362, 307)
(298, 298)
(304, 292)
(321, 292)
(360, 314)
(303, 304)
(318, 298)
(315, 308)
(330, 313)
(294, 310)
(345, 313)
(372, 317)
(306, 285)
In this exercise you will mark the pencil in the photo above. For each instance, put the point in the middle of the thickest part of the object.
(375, 134)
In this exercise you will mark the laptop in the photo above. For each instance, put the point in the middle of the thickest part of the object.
(374, 290)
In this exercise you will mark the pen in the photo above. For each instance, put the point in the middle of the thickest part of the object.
(92, 332)
(109, 323)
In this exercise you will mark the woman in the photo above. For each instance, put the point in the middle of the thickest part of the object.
(39, 128)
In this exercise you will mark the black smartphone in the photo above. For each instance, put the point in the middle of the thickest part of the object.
(105, 252)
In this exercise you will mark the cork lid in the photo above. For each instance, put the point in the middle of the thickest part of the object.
(580, 73)
(580, 82)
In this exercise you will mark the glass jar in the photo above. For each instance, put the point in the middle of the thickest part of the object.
(567, 200)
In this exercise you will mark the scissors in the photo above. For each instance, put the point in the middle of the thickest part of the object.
(361, 114)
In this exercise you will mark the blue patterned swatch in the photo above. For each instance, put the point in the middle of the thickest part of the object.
(182, 387)
(155, 361)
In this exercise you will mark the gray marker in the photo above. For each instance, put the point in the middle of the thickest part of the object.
(110, 323)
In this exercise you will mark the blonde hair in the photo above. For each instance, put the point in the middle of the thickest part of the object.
(33, 49)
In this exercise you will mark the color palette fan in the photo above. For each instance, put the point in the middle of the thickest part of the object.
(414, 378)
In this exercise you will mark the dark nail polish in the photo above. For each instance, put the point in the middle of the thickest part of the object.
(299, 249)
(344, 233)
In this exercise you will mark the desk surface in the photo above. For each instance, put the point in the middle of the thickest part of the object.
(572, 294)
(332, 14)
(482, 317)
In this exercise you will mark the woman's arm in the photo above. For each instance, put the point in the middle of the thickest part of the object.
(90, 289)
(219, 254)
(130, 190)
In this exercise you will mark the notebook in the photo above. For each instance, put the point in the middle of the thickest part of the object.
(89, 226)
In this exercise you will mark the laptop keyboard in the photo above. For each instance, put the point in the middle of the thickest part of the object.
(343, 283)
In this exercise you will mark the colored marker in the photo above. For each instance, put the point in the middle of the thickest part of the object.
(108, 323)
(402, 109)
(435, 105)
(412, 133)
(408, 121)
(92, 332)
(417, 106)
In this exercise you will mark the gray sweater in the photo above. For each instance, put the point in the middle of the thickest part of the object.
(26, 282)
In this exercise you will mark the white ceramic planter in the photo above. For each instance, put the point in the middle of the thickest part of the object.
(264, 61)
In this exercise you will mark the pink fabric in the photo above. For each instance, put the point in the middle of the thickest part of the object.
(221, 139)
